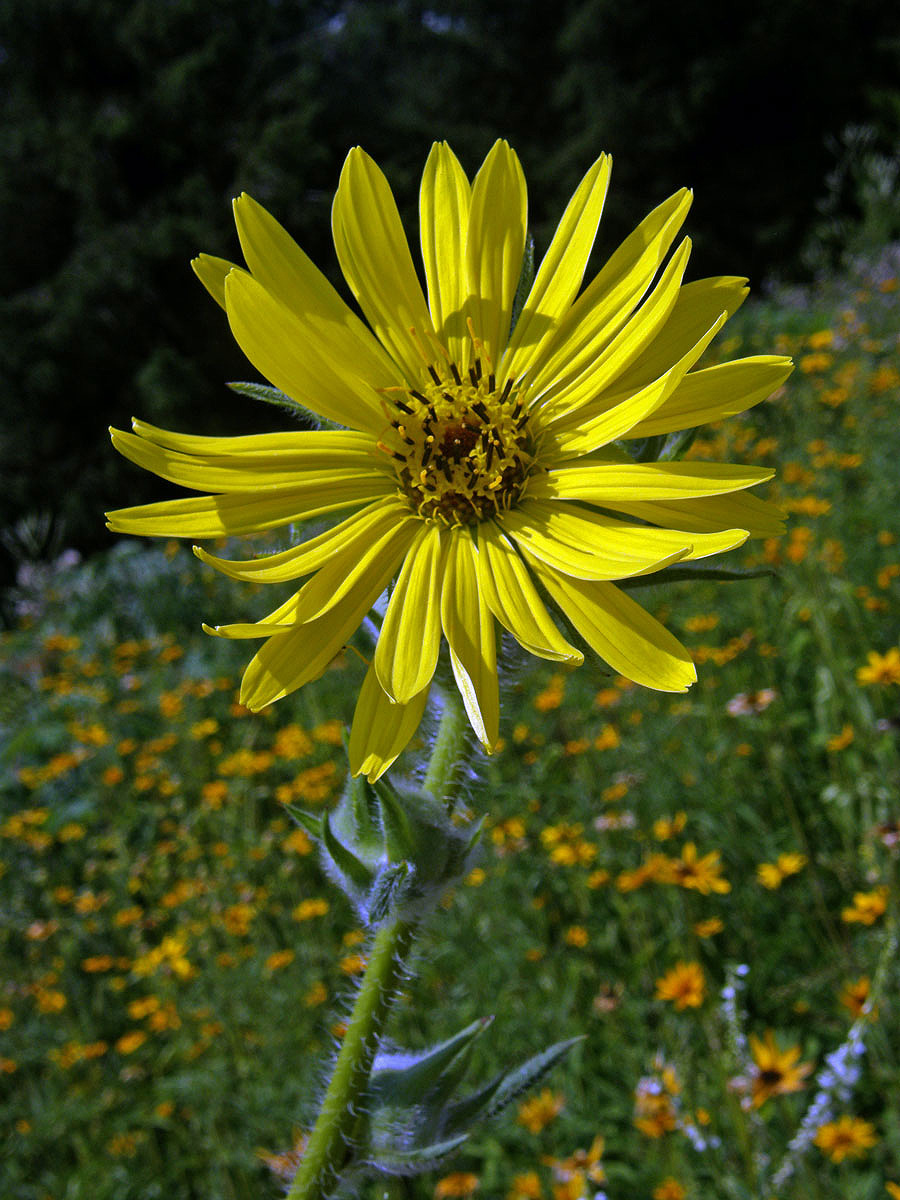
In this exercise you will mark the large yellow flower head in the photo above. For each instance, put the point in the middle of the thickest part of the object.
(478, 467)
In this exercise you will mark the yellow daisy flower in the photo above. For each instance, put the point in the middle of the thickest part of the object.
(684, 985)
(847, 1137)
(477, 467)
(775, 1072)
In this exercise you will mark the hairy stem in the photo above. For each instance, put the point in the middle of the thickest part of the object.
(330, 1147)
(330, 1143)
(447, 752)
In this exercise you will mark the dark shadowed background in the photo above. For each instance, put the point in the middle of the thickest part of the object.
(128, 125)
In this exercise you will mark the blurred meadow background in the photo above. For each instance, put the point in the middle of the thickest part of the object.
(704, 885)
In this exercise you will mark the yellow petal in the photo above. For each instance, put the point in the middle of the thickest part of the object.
(634, 644)
(577, 546)
(596, 428)
(609, 483)
(514, 600)
(287, 352)
(561, 271)
(698, 305)
(381, 729)
(410, 638)
(261, 446)
(495, 246)
(228, 516)
(387, 544)
(586, 378)
(444, 200)
(608, 301)
(212, 272)
(322, 454)
(469, 628)
(289, 660)
(710, 514)
(623, 541)
(715, 393)
(375, 259)
(292, 278)
(356, 532)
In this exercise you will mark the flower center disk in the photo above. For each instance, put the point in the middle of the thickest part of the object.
(462, 449)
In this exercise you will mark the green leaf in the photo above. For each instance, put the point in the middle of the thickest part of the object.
(526, 279)
(311, 823)
(507, 1087)
(401, 1079)
(271, 395)
(386, 890)
(346, 862)
(364, 806)
(415, 1161)
(681, 574)
(678, 444)
(399, 839)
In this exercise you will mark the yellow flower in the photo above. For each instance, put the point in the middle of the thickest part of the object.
(847, 1137)
(475, 462)
(881, 668)
(709, 927)
(840, 741)
(866, 908)
(540, 1110)
(776, 1072)
(459, 1183)
(893, 1189)
(307, 909)
(699, 874)
(855, 996)
(525, 1187)
(669, 1189)
(684, 984)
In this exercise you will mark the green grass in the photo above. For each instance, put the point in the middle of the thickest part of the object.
(152, 1046)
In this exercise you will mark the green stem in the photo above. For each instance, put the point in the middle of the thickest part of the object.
(330, 1142)
(330, 1146)
(447, 752)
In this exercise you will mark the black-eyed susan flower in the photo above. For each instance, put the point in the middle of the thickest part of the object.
(776, 1072)
(847, 1137)
(478, 468)
(684, 985)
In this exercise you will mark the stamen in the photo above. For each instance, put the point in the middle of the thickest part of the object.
(434, 375)
(454, 371)
(507, 388)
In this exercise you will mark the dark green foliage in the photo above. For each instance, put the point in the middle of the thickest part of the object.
(128, 125)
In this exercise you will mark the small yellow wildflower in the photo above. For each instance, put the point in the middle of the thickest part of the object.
(278, 959)
(460, 1183)
(840, 741)
(525, 1187)
(867, 907)
(847, 1137)
(880, 668)
(129, 1042)
(539, 1111)
(307, 909)
(710, 926)
(669, 1189)
(684, 985)
(855, 995)
(699, 874)
(776, 1072)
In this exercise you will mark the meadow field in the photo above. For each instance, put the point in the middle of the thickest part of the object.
(705, 886)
